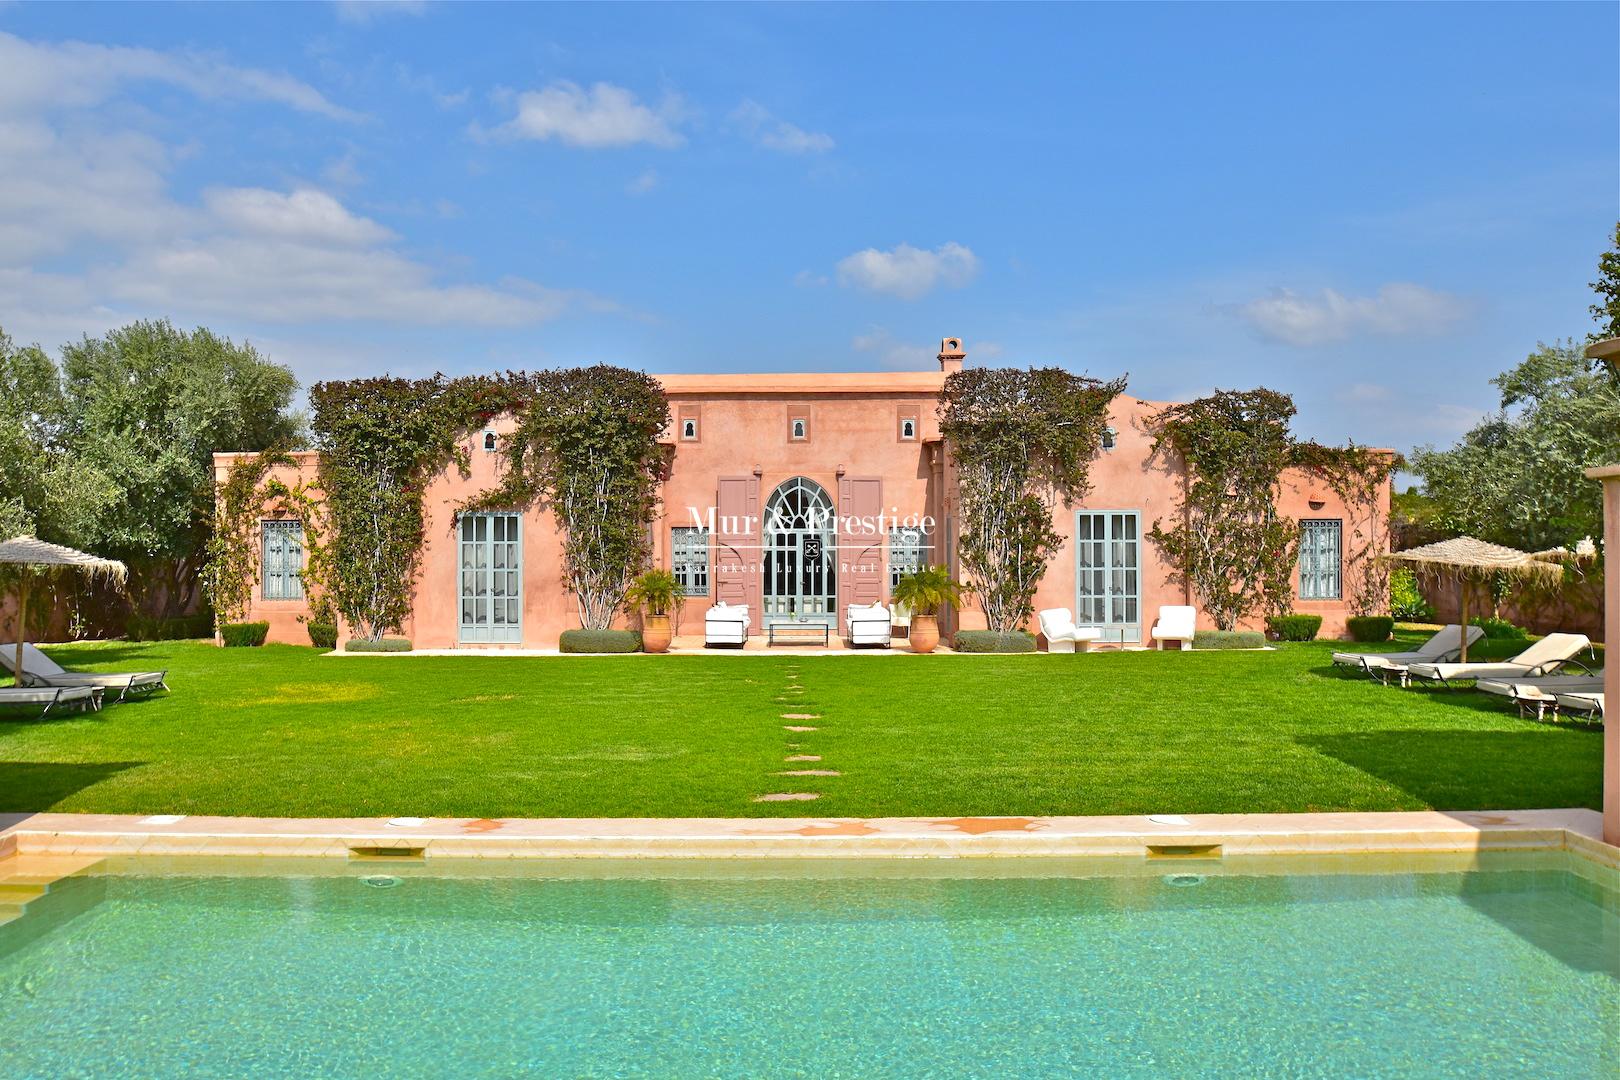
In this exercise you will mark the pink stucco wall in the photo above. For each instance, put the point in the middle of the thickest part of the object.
(853, 429)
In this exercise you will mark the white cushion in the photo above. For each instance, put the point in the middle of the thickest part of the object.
(1176, 622)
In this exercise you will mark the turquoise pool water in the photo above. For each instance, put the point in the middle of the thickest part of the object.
(851, 970)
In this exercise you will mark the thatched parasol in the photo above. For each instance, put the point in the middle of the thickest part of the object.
(1466, 560)
(37, 555)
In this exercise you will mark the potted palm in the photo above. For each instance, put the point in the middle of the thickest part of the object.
(656, 595)
(925, 592)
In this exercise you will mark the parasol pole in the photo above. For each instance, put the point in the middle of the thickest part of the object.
(22, 625)
(1462, 615)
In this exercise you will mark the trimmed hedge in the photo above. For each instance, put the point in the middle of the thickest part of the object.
(989, 641)
(182, 628)
(599, 641)
(322, 635)
(387, 644)
(1294, 627)
(1229, 639)
(243, 635)
(1500, 629)
(1370, 627)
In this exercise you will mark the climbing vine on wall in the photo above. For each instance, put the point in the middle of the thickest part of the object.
(232, 552)
(381, 441)
(1021, 441)
(1229, 542)
(587, 448)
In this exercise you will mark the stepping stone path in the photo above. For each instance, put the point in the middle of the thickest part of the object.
(786, 696)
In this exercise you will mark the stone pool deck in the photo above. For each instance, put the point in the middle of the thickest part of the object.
(1195, 836)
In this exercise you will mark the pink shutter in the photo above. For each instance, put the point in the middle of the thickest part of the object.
(736, 544)
(860, 542)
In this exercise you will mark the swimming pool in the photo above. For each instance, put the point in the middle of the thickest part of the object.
(1505, 964)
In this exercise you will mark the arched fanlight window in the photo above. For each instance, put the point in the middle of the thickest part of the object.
(799, 504)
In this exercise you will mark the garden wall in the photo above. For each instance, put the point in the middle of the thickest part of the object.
(1576, 609)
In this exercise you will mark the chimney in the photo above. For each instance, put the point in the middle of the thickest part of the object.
(951, 355)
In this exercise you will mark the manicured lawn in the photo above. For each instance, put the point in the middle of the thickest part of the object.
(286, 731)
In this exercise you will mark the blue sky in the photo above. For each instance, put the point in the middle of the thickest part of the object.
(1374, 208)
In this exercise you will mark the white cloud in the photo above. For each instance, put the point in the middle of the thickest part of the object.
(91, 235)
(299, 215)
(1365, 393)
(366, 12)
(643, 184)
(605, 115)
(1397, 310)
(35, 78)
(809, 279)
(758, 124)
(893, 354)
(909, 272)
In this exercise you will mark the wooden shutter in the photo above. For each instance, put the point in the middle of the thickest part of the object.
(737, 545)
(860, 542)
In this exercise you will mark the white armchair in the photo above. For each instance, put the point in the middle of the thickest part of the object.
(1062, 636)
(869, 624)
(1176, 624)
(726, 624)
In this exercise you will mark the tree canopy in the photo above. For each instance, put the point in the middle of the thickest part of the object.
(1517, 478)
(1607, 286)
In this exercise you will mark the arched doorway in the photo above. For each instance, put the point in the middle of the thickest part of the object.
(801, 559)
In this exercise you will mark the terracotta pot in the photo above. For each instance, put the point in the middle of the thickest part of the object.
(655, 633)
(924, 633)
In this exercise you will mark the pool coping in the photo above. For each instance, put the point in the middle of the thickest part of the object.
(1192, 836)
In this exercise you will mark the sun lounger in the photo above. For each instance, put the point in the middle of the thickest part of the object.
(1384, 666)
(1542, 658)
(1587, 706)
(50, 697)
(1541, 695)
(41, 670)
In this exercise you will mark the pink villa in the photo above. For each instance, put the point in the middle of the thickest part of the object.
(798, 495)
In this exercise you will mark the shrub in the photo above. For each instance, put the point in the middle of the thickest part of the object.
(992, 641)
(387, 644)
(239, 635)
(1294, 627)
(1369, 627)
(1500, 629)
(322, 635)
(182, 628)
(599, 641)
(1229, 639)
(1405, 602)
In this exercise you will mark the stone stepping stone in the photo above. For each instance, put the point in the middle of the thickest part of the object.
(787, 796)
(803, 757)
(801, 716)
(794, 727)
(809, 772)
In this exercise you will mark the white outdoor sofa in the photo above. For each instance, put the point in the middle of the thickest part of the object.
(869, 624)
(1062, 636)
(1176, 623)
(1542, 658)
(1383, 666)
(41, 670)
(726, 624)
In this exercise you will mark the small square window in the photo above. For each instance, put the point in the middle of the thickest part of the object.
(908, 428)
(799, 429)
(689, 429)
(1110, 437)
(489, 442)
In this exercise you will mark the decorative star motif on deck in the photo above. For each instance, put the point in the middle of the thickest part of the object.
(979, 825)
